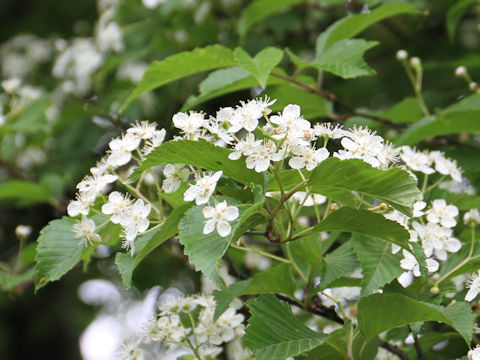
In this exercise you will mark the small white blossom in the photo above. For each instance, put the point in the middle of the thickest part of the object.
(260, 158)
(410, 263)
(442, 213)
(474, 287)
(175, 174)
(143, 130)
(116, 206)
(306, 157)
(202, 189)
(312, 199)
(474, 354)
(246, 115)
(446, 166)
(416, 160)
(219, 218)
(134, 221)
(85, 229)
(92, 186)
(472, 216)
(191, 125)
(155, 141)
(121, 149)
(81, 204)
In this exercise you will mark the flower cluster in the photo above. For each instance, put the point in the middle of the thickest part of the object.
(189, 321)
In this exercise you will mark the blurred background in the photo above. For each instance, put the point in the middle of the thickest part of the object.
(69, 65)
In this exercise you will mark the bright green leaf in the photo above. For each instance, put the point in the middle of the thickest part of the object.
(181, 65)
(406, 111)
(350, 26)
(380, 312)
(277, 279)
(450, 123)
(338, 263)
(58, 251)
(379, 265)
(274, 333)
(261, 65)
(202, 154)
(345, 58)
(24, 193)
(336, 179)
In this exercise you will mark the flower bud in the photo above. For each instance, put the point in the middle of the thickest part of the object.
(22, 231)
(461, 71)
(402, 55)
(473, 86)
(415, 62)
(435, 290)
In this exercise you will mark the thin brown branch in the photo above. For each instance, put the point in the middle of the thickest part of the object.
(333, 98)
(394, 350)
(418, 348)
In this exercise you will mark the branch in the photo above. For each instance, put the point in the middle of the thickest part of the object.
(418, 349)
(333, 98)
(394, 350)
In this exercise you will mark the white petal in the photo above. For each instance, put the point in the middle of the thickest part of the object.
(262, 165)
(230, 213)
(471, 294)
(297, 162)
(223, 228)
(209, 226)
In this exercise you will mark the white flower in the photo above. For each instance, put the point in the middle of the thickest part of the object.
(85, 229)
(202, 189)
(155, 141)
(418, 208)
(110, 37)
(437, 240)
(134, 221)
(307, 157)
(472, 215)
(474, 354)
(92, 186)
(416, 160)
(143, 130)
(174, 175)
(290, 120)
(116, 206)
(219, 217)
(259, 158)
(456, 187)
(326, 130)
(474, 287)
(121, 149)
(246, 115)
(81, 204)
(312, 199)
(442, 213)
(410, 263)
(245, 147)
(11, 85)
(446, 166)
(191, 124)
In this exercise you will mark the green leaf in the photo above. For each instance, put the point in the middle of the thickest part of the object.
(351, 26)
(202, 154)
(260, 9)
(366, 223)
(24, 193)
(379, 265)
(406, 111)
(455, 13)
(146, 243)
(449, 123)
(181, 65)
(345, 58)
(206, 251)
(221, 78)
(336, 179)
(31, 120)
(338, 263)
(228, 88)
(58, 251)
(273, 333)
(277, 279)
(261, 65)
(380, 312)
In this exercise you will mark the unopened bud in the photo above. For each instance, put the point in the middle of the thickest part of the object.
(402, 55)
(473, 86)
(435, 290)
(461, 71)
(415, 62)
(22, 231)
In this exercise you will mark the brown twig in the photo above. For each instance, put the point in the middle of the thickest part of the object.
(418, 348)
(333, 98)
(394, 350)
